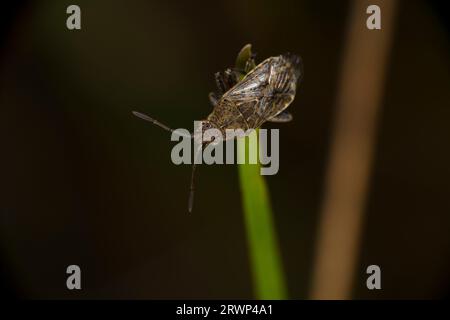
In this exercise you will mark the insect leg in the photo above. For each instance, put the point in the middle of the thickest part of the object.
(250, 64)
(231, 78)
(225, 80)
(284, 116)
(213, 98)
(220, 82)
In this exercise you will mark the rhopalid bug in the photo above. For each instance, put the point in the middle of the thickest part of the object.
(248, 95)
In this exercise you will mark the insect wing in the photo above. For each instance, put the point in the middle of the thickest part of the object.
(253, 84)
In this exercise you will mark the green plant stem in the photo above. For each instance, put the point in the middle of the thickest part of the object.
(265, 258)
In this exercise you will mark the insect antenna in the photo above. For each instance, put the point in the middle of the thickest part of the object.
(191, 189)
(167, 128)
(159, 124)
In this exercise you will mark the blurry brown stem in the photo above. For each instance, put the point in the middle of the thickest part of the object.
(359, 97)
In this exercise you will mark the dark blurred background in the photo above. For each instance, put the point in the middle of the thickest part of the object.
(84, 182)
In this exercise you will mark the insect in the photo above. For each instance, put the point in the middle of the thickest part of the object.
(248, 95)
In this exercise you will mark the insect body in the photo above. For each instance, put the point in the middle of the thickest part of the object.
(248, 96)
(262, 95)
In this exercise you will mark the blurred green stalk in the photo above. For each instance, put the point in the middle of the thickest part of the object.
(265, 257)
